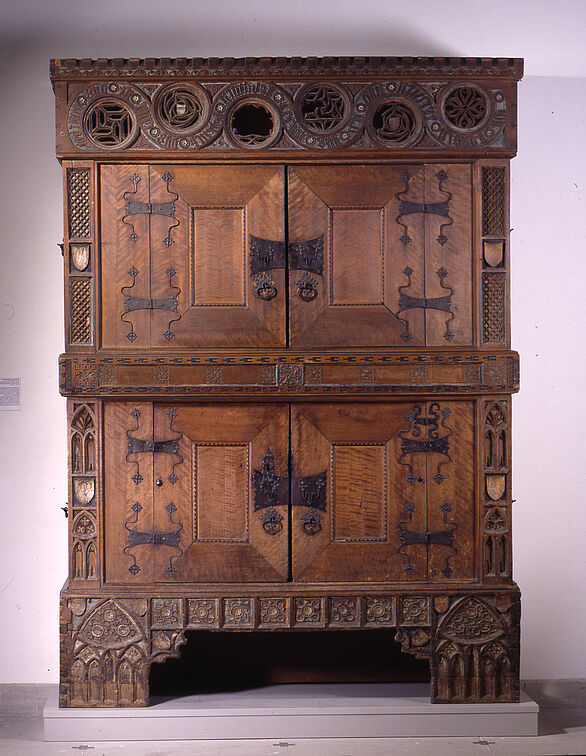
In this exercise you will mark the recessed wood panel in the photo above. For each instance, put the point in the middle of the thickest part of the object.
(357, 268)
(359, 492)
(219, 257)
(220, 493)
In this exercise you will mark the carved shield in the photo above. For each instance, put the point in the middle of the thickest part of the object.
(80, 254)
(494, 253)
(84, 491)
(495, 486)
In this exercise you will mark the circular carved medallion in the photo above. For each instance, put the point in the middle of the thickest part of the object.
(465, 108)
(109, 124)
(253, 123)
(181, 109)
(322, 108)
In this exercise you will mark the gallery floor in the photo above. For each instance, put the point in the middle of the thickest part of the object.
(562, 730)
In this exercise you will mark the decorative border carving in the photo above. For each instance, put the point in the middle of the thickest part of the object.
(496, 494)
(71, 68)
(78, 255)
(390, 373)
(83, 495)
(109, 643)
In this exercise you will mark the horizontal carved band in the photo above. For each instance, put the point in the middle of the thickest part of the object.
(249, 373)
(71, 68)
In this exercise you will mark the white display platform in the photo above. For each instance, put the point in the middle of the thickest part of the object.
(294, 711)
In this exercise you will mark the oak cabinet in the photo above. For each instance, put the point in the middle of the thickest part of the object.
(287, 360)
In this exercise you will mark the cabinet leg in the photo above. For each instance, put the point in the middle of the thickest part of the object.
(474, 654)
(107, 648)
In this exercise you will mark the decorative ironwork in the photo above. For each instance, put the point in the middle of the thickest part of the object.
(138, 538)
(141, 446)
(442, 177)
(269, 489)
(311, 521)
(307, 255)
(428, 538)
(423, 437)
(466, 108)
(78, 196)
(265, 254)
(135, 207)
(109, 124)
(272, 521)
(264, 286)
(407, 302)
(168, 303)
(406, 207)
(306, 287)
(80, 292)
(323, 108)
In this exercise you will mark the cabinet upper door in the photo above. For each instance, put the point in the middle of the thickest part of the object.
(176, 264)
(200, 255)
(380, 255)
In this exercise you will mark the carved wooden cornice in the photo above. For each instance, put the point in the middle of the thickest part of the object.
(268, 67)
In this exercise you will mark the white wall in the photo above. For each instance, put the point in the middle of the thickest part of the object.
(548, 280)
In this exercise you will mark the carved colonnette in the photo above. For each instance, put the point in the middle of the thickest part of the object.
(288, 362)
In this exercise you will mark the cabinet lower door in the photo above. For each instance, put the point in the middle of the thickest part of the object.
(383, 492)
(180, 496)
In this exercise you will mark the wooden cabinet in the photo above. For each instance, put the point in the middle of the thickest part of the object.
(287, 360)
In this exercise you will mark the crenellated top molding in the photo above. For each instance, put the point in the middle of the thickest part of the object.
(369, 66)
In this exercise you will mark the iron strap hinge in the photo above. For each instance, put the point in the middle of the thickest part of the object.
(135, 207)
(137, 538)
(429, 208)
(435, 538)
(430, 445)
(139, 446)
(427, 303)
(145, 303)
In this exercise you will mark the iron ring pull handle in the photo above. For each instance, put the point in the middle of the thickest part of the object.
(306, 287)
(264, 286)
